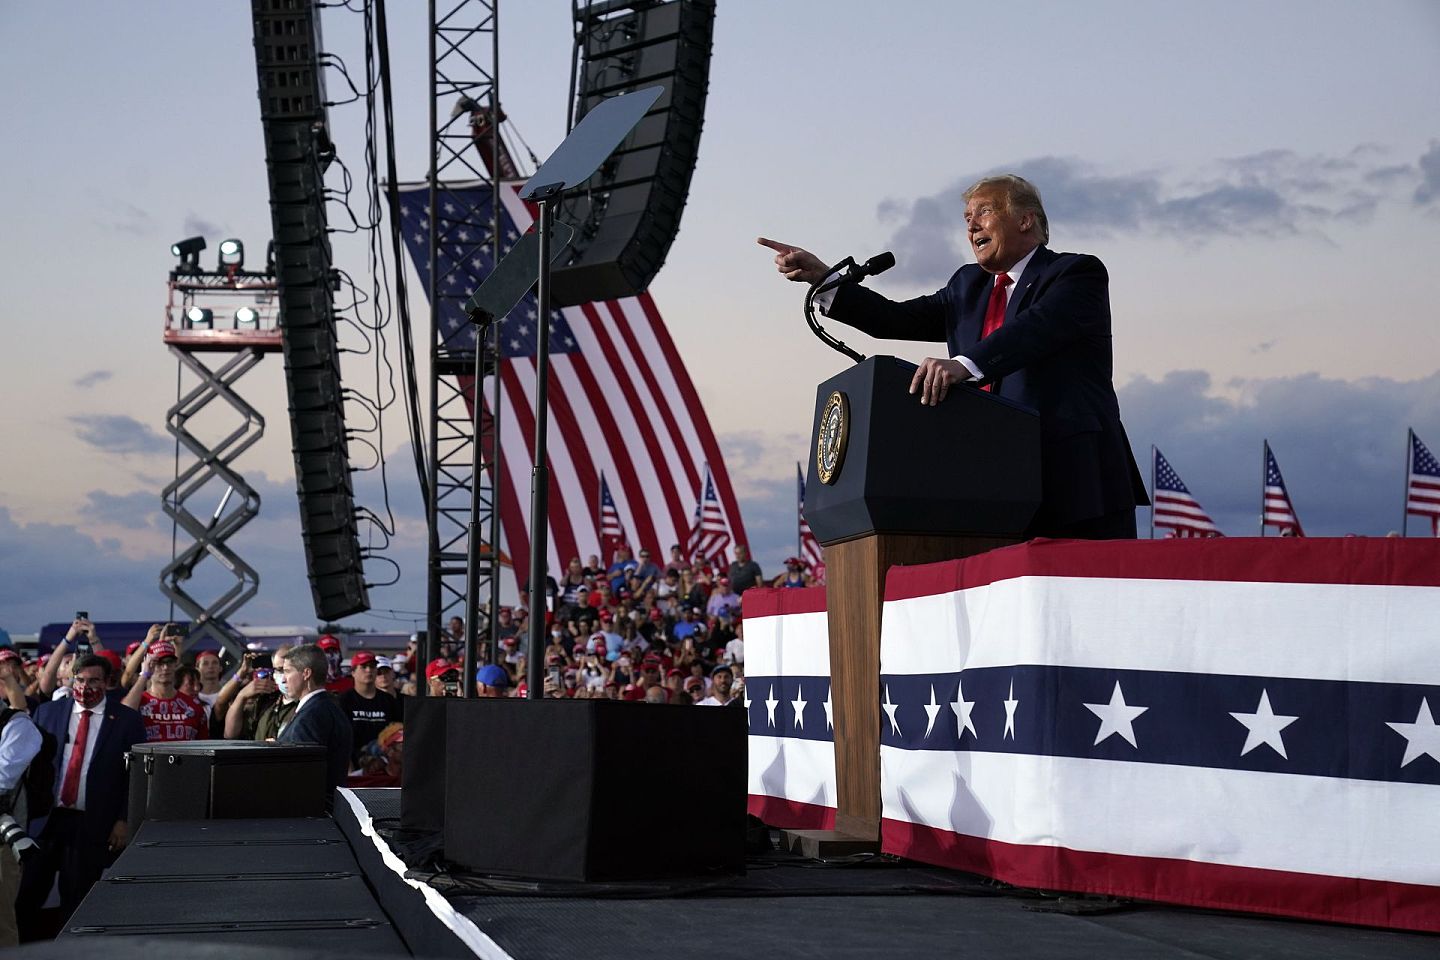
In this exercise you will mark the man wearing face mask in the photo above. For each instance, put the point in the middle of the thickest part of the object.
(335, 680)
(87, 826)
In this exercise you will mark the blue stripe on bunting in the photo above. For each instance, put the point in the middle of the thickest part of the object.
(1340, 729)
(784, 693)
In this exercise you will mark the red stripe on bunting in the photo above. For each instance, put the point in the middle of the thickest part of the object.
(1379, 903)
(790, 814)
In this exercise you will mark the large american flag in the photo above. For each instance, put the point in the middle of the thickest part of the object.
(809, 547)
(1276, 510)
(621, 401)
(1422, 486)
(1174, 507)
(710, 536)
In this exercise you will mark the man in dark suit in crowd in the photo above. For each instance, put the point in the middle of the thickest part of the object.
(87, 827)
(318, 717)
(1031, 325)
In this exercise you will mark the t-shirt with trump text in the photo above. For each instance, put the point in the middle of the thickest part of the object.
(179, 718)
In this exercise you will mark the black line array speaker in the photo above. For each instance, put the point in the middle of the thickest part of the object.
(297, 152)
(556, 789)
(627, 215)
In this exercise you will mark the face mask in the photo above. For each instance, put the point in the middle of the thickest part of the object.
(279, 677)
(89, 696)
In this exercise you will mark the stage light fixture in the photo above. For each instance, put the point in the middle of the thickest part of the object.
(199, 318)
(247, 318)
(188, 250)
(232, 254)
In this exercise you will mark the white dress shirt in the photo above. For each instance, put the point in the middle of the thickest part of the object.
(97, 718)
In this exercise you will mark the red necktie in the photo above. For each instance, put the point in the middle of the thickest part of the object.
(70, 789)
(995, 311)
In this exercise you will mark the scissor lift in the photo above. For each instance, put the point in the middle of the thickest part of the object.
(202, 317)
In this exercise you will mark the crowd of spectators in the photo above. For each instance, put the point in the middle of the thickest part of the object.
(633, 630)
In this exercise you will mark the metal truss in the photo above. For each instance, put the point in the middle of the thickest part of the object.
(210, 526)
(464, 54)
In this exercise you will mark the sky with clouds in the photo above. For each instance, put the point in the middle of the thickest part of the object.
(1262, 180)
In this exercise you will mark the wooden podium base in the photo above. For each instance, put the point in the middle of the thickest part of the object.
(828, 844)
(854, 597)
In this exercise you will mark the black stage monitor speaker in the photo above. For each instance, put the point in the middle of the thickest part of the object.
(557, 789)
(627, 215)
(422, 779)
(226, 779)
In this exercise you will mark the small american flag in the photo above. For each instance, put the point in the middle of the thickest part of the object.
(1277, 511)
(710, 534)
(809, 546)
(1175, 507)
(1422, 491)
(612, 531)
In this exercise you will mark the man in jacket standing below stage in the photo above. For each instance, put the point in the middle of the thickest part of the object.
(1032, 326)
(318, 718)
(87, 826)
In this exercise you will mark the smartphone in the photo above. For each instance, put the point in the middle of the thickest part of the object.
(82, 615)
(173, 630)
(262, 673)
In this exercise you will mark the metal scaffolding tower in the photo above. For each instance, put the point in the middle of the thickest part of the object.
(463, 516)
(195, 329)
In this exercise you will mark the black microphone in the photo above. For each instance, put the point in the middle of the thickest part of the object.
(857, 272)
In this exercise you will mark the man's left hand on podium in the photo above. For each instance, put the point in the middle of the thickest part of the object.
(934, 377)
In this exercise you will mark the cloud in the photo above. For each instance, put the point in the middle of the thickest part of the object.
(1273, 193)
(1429, 188)
(1340, 443)
(92, 378)
(133, 511)
(117, 433)
(127, 218)
(197, 226)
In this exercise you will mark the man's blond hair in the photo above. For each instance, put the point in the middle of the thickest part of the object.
(1020, 197)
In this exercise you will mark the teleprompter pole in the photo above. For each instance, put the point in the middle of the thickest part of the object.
(540, 476)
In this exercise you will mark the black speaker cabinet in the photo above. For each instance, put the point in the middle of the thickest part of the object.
(587, 790)
(422, 779)
(226, 779)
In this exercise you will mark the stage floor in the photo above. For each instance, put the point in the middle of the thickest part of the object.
(786, 906)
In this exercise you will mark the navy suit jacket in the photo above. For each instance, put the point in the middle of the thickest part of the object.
(322, 721)
(1053, 354)
(107, 783)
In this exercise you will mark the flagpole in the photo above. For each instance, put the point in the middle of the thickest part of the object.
(1405, 497)
(1152, 491)
(1264, 479)
(799, 486)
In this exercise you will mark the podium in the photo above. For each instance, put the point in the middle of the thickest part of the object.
(893, 482)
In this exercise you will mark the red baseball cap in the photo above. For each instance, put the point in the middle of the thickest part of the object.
(656, 613)
(362, 658)
(8, 653)
(605, 614)
(114, 658)
(134, 645)
(438, 666)
(162, 648)
(206, 653)
(328, 642)
(673, 672)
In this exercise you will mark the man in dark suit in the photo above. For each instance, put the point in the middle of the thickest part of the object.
(87, 828)
(1031, 325)
(318, 717)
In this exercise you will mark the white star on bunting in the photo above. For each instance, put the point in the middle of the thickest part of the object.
(1117, 716)
(1264, 726)
(770, 704)
(962, 708)
(932, 710)
(1421, 737)
(890, 709)
(1010, 705)
(829, 712)
(799, 704)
